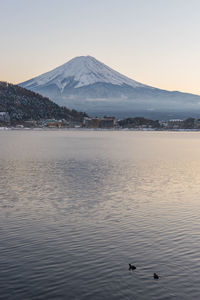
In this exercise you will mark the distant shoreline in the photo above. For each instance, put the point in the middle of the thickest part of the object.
(98, 129)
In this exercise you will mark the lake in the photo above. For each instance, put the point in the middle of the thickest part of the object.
(76, 207)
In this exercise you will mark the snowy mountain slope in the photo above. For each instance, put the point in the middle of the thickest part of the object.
(85, 83)
(85, 70)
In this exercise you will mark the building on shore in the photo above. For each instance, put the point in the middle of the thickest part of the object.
(91, 122)
(175, 123)
(30, 123)
(52, 123)
(106, 122)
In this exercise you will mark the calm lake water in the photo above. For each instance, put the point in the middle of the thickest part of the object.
(77, 206)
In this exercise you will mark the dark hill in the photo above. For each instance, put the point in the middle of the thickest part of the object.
(23, 104)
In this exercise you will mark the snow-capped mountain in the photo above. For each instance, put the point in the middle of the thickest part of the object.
(85, 83)
(85, 70)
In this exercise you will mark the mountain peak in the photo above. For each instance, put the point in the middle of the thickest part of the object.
(84, 83)
(83, 70)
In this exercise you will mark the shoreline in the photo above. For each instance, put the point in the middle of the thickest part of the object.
(98, 129)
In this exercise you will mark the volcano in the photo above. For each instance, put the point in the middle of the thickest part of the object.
(86, 84)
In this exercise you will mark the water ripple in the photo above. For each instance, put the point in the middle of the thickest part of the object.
(77, 207)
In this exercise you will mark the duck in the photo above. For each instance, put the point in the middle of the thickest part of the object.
(132, 267)
(155, 276)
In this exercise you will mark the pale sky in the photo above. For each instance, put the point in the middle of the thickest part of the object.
(156, 42)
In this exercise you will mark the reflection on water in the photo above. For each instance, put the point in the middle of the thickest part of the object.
(77, 207)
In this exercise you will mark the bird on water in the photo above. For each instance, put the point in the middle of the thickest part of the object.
(155, 276)
(132, 267)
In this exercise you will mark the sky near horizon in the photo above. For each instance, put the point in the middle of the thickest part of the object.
(155, 42)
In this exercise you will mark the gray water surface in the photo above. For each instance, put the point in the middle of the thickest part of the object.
(77, 206)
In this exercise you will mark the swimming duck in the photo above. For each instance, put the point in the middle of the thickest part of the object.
(155, 276)
(132, 267)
